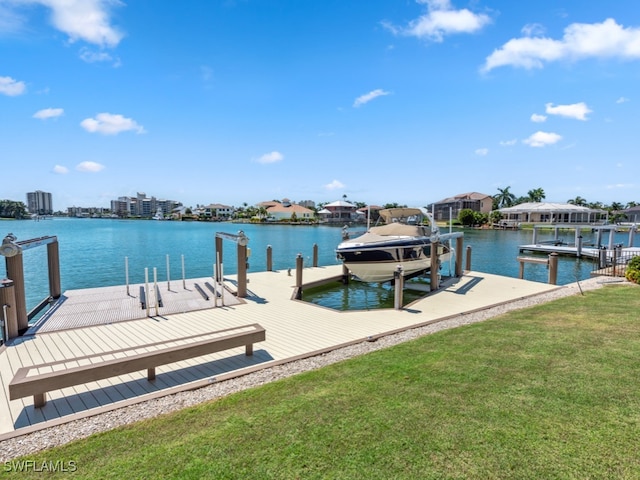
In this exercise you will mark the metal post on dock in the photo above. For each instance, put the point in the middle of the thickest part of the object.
(632, 233)
(315, 255)
(146, 288)
(126, 274)
(398, 287)
(168, 275)
(468, 262)
(269, 258)
(218, 256)
(155, 288)
(553, 268)
(8, 305)
(184, 285)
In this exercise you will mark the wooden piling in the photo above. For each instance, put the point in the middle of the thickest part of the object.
(553, 268)
(53, 260)
(434, 266)
(8, 308)
(459, 244)
(15, 272)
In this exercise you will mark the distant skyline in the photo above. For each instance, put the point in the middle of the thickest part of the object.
(233, 101)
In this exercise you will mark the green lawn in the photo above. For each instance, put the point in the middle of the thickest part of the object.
(546, 392)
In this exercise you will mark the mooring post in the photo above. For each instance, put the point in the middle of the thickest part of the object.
(242, 270)
(126, 273)
(534, 240)
(8, 309)
(602, 257)
(218, 257)
(345, 274)
(184, 283)
(53, 260)
(579, 246)
(434, 266)
(168, 275)
(467, 266)
(315, 254)
(459, 243)
(269, 258)
(299, 267)
(553, 268)
(146, 288)
(632, 233)
(398, 286)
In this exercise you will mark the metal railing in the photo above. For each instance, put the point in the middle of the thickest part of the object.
(612, 262)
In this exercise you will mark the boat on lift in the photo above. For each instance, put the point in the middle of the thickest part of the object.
(406, 239)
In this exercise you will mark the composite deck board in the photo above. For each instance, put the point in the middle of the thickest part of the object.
(293, 328)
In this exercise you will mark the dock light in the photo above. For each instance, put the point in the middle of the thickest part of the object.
(8, 248)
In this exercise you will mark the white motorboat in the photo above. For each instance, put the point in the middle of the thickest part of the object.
(404, 239)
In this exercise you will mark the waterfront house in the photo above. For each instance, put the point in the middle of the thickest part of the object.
(289, 211)
(450, 207)
(546, 212)
(341, 212)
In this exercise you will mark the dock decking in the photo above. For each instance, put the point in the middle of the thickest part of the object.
(294, 329)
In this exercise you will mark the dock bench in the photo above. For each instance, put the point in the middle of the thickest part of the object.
(37, 380)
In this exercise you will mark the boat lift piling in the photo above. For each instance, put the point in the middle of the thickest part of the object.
(398, 281)
(241, 241)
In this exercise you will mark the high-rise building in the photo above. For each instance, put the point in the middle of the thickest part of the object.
(39, 203)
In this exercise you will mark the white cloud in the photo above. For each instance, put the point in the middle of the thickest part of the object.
(334, 185)
(89, 56)
(482, 152)
(272, 157)
(541, 139)
(88, 166)
(579, 111)
(87, 20)
(580, 40)
(48, 113)
(537, 118)
(367, 97)
(508, 143)
(440, 20)
(59, 169)
(11, 87)
(622, 100)
(533, 30)
(110, 124)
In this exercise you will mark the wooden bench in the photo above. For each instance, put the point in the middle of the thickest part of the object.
(37, 380)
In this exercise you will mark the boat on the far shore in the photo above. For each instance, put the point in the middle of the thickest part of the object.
(405, 239)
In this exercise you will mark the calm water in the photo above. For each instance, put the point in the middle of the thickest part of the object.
(93, 251)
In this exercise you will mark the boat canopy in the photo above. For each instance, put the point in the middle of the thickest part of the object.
(403, 214)
(401, 229)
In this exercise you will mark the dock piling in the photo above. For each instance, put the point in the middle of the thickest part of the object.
(398, 287)
(468, 262)
(8, 304)
(315, 255)
(269, 258)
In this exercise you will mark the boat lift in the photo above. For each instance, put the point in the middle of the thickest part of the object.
(13, 302)
(241, 241)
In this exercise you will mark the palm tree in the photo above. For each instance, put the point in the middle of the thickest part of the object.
(579, 201)
(536, 195)
(504, 198)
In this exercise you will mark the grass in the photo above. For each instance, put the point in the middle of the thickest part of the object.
(551, 391)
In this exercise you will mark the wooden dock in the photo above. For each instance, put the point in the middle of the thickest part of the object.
(93, 321)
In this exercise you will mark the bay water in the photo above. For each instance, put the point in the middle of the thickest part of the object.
(93, 251)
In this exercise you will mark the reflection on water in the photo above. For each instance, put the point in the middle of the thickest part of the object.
(362, 296)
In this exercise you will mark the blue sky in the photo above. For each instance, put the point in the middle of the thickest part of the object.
(233, 101)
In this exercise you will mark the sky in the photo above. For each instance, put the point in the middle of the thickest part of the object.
(242, 101)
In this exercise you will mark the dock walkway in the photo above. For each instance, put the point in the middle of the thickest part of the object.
(294, 330)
